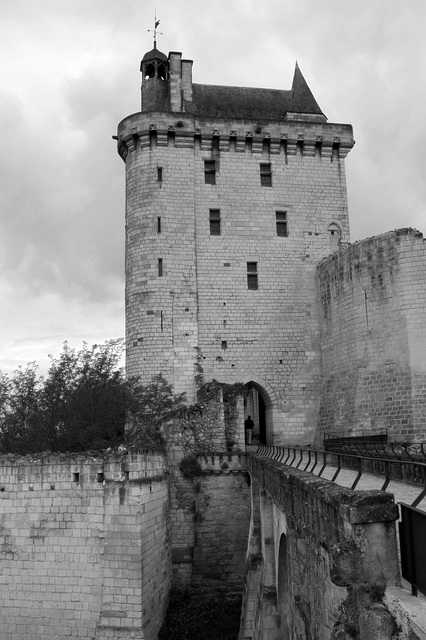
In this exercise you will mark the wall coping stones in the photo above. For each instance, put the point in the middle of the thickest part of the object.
(325, 506)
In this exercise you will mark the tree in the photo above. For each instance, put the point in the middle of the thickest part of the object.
(150, 407)
(84, 397)
(83, 403)
(19, 408)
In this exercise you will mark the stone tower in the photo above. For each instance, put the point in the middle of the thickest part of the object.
(233, 195)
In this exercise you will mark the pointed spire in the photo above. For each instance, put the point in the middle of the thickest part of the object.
(302, 99)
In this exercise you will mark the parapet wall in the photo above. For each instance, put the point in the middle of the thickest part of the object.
(373, 337)
(320, 557)
(84, 546)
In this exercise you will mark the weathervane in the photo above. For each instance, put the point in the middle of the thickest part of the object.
(154, 31)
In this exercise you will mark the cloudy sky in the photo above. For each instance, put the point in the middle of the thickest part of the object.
(70, 72)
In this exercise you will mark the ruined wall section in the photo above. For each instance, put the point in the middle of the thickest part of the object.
(209, 511)
(84, 546)
(222, 518)
(373, 336)
(201, 321)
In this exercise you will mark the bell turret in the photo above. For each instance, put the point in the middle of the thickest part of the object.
(155, 80)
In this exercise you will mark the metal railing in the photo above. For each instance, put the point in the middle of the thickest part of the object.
(401, 469)
(406, 466)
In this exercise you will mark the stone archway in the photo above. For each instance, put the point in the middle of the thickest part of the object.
(258, 405)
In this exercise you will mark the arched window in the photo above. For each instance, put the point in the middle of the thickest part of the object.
(149, 71)
(335, 236)
(162, 72)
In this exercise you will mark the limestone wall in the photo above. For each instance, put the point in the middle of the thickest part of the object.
(210, 515)
(320, 558)
(373, 337)
(84, 547)
(198, 320)
(222, 516)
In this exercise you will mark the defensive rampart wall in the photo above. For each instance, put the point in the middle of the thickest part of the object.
(373, 337)
(84, 546)
(319, 560)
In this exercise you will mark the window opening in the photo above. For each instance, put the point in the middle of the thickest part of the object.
(334, 236)
(161, 72)
(215, 222)
(265, 174)
(281, 221)
(160, 174)
(149, 71)
(159, 224)
(224, 344)
(209, 171)
(160, 267)
(252, 282)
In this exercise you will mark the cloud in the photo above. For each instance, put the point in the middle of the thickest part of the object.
(72, 74)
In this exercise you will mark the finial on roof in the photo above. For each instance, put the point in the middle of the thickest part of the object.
(154, 30)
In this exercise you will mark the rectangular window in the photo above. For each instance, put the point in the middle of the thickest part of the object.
(265, 174)
(252, 275)
(281, 220)
(160, 174)
(209, 172)
(159, 224)
(215, 222)
(160, 267)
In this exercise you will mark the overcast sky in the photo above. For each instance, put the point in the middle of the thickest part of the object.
(70, 72)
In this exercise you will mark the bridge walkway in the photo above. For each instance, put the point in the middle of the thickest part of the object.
(402, 491)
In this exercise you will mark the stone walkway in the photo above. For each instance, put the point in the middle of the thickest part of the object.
(398, 598)
(402, 492)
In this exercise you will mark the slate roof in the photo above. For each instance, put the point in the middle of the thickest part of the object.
(155, 54)
(217, 101)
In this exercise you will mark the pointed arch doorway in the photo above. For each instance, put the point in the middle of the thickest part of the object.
(258, 405)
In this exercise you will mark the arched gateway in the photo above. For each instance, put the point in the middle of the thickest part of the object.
(258, 405)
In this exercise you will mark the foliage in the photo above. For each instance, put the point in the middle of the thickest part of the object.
(213, 618)
(83, 403)
(79, 405)
(190, 467)
(150, 407)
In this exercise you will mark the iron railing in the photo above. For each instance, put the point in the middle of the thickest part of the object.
(401, 469)
(408, 464)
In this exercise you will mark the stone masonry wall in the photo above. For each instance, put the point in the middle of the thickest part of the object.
(209, 517)
(84, 547)
(222, 517)
(209, 495)
(198, 320)
(373, 337)
(323, 556)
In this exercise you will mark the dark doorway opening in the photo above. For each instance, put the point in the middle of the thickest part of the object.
(262, 420)
(255, 405)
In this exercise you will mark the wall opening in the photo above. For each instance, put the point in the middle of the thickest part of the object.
(335, 236)
(258, 405)
(283, 589)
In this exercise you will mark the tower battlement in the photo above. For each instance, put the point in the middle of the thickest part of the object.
(307, 138)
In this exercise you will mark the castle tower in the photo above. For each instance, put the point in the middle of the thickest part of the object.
(233, 195)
